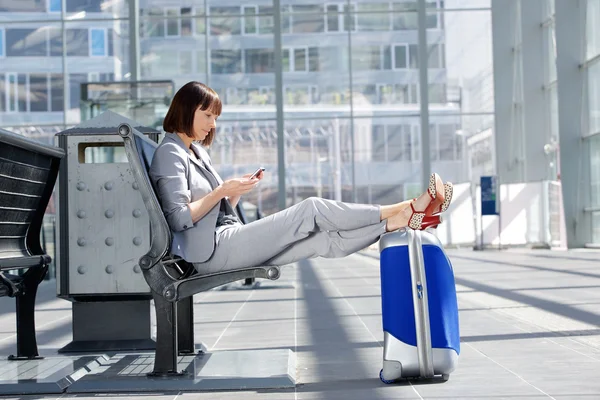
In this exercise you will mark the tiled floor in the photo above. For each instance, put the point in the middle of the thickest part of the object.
(530, 328)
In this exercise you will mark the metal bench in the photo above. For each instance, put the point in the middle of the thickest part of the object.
(28, 172)
(171, 280)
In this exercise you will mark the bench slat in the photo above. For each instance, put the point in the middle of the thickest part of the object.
(22, 171)
(14, 230)
(8, 200)
(22, 186)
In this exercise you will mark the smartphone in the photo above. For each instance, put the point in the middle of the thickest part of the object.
(258, 171)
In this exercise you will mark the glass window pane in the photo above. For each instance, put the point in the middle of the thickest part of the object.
(55, 42)
(226, 61)
(594, 97)
(399, 144)
(201, 61)
(413, 55)
(38, 92)
(173, 22)
(447, 139)
(437, 93)
(373, 22)
(186, 21)
(225, 21)
(592, 28)
(56, 92)
(434, 56)
(311, 23)
(299, 59)
(595, 171)
(185, 62)
(22, 82)
(285, 62)
(313, 59)
(265, 22)
(404, 16)
(54, 5)
(400, 56)
(154, 25)
(333, 18)
(23, 6)
(26, 42)
(200, 23)
(365, 58)
(2, 93)
(349, 18)
(432, 20)
(84, 5)
(379, 143)
(75, 81)
(259, 61)
(387, 57)
(98, 42)
(250, 20)
(1, 43)
(77, 42)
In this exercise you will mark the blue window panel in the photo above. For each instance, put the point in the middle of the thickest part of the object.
(98, 42)
(54, 5)
(1, 42)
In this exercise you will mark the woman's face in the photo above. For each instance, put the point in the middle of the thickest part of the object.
(204, 121)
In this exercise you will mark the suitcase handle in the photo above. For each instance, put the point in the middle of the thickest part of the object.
(420, 303)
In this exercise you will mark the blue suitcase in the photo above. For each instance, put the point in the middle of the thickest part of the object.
(419, 307)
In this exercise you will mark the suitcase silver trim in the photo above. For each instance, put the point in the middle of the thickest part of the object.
(420, 303)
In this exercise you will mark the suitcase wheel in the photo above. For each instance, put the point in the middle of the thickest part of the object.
(445, 377)
(387, 382)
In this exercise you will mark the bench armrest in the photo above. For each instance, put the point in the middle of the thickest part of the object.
(199, 283)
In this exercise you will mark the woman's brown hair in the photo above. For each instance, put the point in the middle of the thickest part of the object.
(191, 97)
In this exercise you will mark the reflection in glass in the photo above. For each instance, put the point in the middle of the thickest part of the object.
(594, 97)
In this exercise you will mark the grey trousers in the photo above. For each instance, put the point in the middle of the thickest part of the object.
(314, 227)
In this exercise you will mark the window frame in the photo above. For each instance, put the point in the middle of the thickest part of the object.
(293, 59)
(340, 15)
(91, 45)
(166, 21)
(244, 16)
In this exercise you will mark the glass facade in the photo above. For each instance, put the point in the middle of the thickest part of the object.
(351, 88)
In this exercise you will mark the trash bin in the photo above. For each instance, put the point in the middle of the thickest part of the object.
(103, 229)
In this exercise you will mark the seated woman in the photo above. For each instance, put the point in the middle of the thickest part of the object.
(199, 205)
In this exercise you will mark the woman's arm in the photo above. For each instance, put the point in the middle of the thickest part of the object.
(201, 207)
(234, 200)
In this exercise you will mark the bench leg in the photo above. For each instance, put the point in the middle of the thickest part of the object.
(165, 360)
(185, 328)
(26, 342)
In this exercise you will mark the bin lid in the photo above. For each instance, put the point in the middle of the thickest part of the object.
(105, 123)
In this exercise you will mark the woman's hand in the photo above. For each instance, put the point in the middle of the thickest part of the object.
(260, 175)
(237, 186)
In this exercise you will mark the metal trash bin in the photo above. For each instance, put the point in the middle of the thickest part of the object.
(103, 229)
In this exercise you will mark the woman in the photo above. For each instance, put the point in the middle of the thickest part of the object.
(199, 205)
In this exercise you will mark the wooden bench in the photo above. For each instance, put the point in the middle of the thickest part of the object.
(172, 280)
(28, 172)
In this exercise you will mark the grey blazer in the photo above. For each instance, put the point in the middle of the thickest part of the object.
(180, 178)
